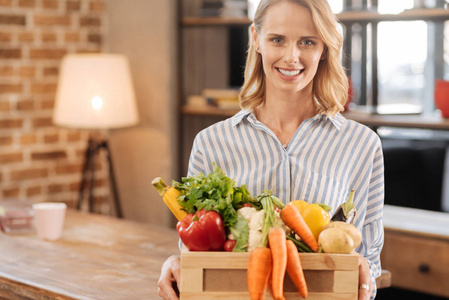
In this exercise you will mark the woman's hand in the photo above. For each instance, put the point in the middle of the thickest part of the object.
(365, 285)
(170, 275)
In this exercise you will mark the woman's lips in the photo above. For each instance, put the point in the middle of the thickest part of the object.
(289, 74)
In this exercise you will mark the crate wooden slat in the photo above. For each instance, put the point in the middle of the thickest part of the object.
(222, 275)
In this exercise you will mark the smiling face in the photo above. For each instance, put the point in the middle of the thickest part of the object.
(290, 47)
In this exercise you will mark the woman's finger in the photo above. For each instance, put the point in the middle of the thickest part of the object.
(170, 275)
(365, 284)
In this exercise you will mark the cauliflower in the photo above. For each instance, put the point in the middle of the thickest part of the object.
(247, 212)
(254, 218)
(254, 239)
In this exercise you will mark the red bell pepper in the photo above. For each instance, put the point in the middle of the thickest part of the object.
(202, 231)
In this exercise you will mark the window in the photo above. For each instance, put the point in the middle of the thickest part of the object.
(336, 5)
(394, 7)
(402, 56)
(394, 63)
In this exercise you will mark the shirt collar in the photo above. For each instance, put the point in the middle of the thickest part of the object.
(336, 120)
(238, 117)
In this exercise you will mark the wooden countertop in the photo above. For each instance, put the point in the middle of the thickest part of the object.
(97, 257)
(100, 257)
(424, 223)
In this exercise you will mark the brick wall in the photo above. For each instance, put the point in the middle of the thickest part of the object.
(39, 161)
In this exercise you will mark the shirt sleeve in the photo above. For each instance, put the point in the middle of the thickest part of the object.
(373, 230)
(196, 160)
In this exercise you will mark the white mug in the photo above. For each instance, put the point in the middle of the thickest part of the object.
(49, 219)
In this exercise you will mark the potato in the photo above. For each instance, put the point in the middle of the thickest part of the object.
(350, 229)
(335, 240)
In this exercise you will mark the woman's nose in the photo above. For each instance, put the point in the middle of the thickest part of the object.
(292, 55)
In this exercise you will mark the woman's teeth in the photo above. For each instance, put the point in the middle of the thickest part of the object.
(289, 73)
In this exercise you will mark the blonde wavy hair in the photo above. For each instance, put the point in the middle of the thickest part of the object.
(330, 85)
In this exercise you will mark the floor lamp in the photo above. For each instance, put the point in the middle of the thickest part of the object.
(95, 92)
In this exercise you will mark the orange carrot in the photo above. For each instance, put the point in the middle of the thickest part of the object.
(276, 240)
(294, 269)
(270, 286)
(291, 216)
(259, 270)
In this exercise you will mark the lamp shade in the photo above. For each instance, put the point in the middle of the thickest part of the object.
(95, 91)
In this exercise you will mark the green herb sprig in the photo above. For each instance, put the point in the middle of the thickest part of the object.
(214, 191)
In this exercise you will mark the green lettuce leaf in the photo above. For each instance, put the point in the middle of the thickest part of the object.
(241, 234)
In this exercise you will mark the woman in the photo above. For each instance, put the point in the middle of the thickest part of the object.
(290, 137)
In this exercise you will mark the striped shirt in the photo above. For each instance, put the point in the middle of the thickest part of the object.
(326, 158)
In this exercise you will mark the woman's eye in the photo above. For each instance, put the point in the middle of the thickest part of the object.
(308, 43)
(277, 40)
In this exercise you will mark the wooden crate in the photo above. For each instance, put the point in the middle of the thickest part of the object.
(222, 275)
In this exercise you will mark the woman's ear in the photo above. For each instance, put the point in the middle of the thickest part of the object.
(254, 38)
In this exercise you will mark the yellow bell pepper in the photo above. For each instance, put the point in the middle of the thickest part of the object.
(315, 216)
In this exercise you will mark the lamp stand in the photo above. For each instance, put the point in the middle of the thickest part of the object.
(93, 148)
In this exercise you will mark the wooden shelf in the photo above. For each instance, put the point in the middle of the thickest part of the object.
(348, 16)
(404, 121)
(215, 21)
(433, 14)
(209, 111)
